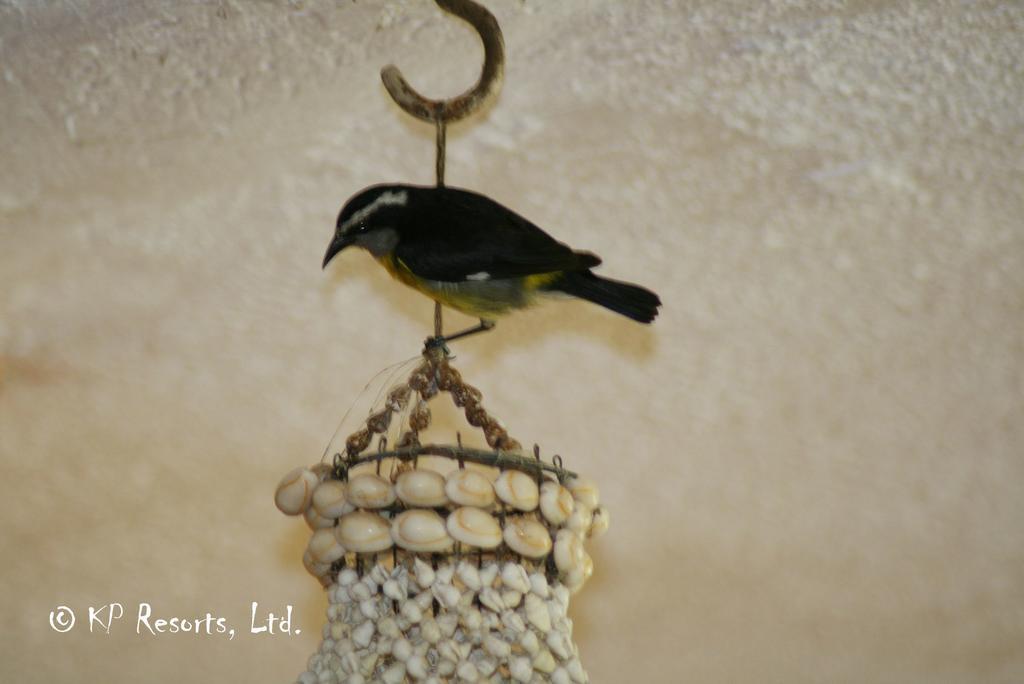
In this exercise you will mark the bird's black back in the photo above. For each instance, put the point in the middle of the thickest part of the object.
(448, 234)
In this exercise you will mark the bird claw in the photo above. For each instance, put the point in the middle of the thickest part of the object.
(441, 341)
(437, 342)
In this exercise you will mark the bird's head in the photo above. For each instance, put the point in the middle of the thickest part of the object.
(369, 220)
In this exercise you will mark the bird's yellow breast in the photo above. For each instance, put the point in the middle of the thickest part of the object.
(401, 272)
(484, 299)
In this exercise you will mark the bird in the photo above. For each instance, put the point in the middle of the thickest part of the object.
(472, 254)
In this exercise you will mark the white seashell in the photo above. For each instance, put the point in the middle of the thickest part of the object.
(467, 671)
(537, 613)
(575, 670)
(559, 644)
(417, 667)
(424, 599)
(544, 662)
(491, 621)
(315, 521)
(579, 521)
(528, 640)
(347, 576)
(514, 576)
(485, 664)
(488, 573)
(401, 649)
(511, 597)
(474, 527)
(369, 490)
(362, 634)
(527, 537)
(394, 674)
(497, 647)
(421, 531)
(379, 574)
(556, 502)
(568, 552)
(367, 664)
(411, 611)
(448, 650)
(491, 599)
(368, 608)
(584, 490)
(424, 573)
(359, 592)
(329, 499)
(517, 489)
(447, 595)
(295, 491)
(560, 676)
(448, 622)
(364, 532)
(341, 597)
(472, 619)
(421, 487)
(445, 573)
(389, 628)
(393, 590)
(324, 547)
(521, 669)
(318, 570)
(469, 575)
(465, 600)
(574, 579)
(561, 598)
(588, 566)
(466, 487)
(539, 584)
(429, 630)
(513, 621)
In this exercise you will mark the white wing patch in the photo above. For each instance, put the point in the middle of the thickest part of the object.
(389, 198)
(482, 275)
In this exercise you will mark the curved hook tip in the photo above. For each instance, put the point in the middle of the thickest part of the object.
(461, 106)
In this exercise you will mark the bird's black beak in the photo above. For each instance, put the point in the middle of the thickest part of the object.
(339, 243)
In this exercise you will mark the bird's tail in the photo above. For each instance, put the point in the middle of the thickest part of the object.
(631, 301)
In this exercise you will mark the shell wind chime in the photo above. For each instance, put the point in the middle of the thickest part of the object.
(458, 574)
(444, 563)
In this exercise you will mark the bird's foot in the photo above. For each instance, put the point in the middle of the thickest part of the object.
(441, 341)
(438, 342)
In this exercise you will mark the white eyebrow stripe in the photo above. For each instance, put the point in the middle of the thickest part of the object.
(482, 275)
(396, 198)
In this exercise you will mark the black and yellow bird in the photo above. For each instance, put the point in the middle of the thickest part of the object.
(474, 255)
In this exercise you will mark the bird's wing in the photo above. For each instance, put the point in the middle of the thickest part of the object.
(457, 235)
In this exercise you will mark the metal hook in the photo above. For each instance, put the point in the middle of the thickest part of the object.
(442, 112)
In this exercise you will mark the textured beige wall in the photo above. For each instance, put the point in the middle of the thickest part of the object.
(814, 460)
